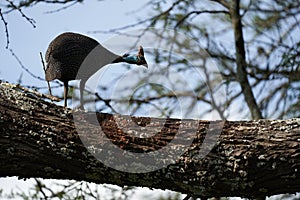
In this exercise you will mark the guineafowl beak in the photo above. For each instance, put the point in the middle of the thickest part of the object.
(145, 65)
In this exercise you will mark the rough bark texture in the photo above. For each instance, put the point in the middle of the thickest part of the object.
(249, 159)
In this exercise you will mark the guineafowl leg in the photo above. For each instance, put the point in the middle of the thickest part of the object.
(66, 88)
(81, 88)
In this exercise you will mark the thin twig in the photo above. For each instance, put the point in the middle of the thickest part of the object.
(6, 28)
(187, 197)
(106, 102)
(40, 188)
(118, 30)
(23, 66)
(30, 20)
(62, 8)
(198, 13)
(44, 67)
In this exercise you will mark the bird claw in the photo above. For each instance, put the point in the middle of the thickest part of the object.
(80, 107)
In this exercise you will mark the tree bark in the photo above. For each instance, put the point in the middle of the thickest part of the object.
(248, 159)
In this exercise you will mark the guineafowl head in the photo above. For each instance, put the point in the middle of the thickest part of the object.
(141, 58)
(138, 59)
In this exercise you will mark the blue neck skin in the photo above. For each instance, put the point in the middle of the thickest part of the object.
(131, 59)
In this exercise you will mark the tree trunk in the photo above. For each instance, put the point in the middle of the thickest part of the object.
(247, 159)
(241, 63)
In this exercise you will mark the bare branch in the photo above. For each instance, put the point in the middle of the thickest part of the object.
(224, 3)
(40, 187)
(23, 66)
(241, 60)
(62, 8)
(44, 67)
(200, 12)
(6, 28)
(33, 2)
(30, 20)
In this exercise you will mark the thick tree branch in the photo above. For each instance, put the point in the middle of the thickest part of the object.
(249, 159)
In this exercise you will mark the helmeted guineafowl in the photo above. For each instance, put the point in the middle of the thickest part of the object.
(67, 52)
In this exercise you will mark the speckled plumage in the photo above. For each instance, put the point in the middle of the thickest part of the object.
(67, 52)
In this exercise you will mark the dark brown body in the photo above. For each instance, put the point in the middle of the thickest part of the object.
(66, 56)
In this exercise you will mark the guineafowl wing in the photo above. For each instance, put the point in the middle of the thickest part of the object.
(68, 52)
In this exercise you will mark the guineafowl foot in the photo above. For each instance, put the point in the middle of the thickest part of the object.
(80, 107)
